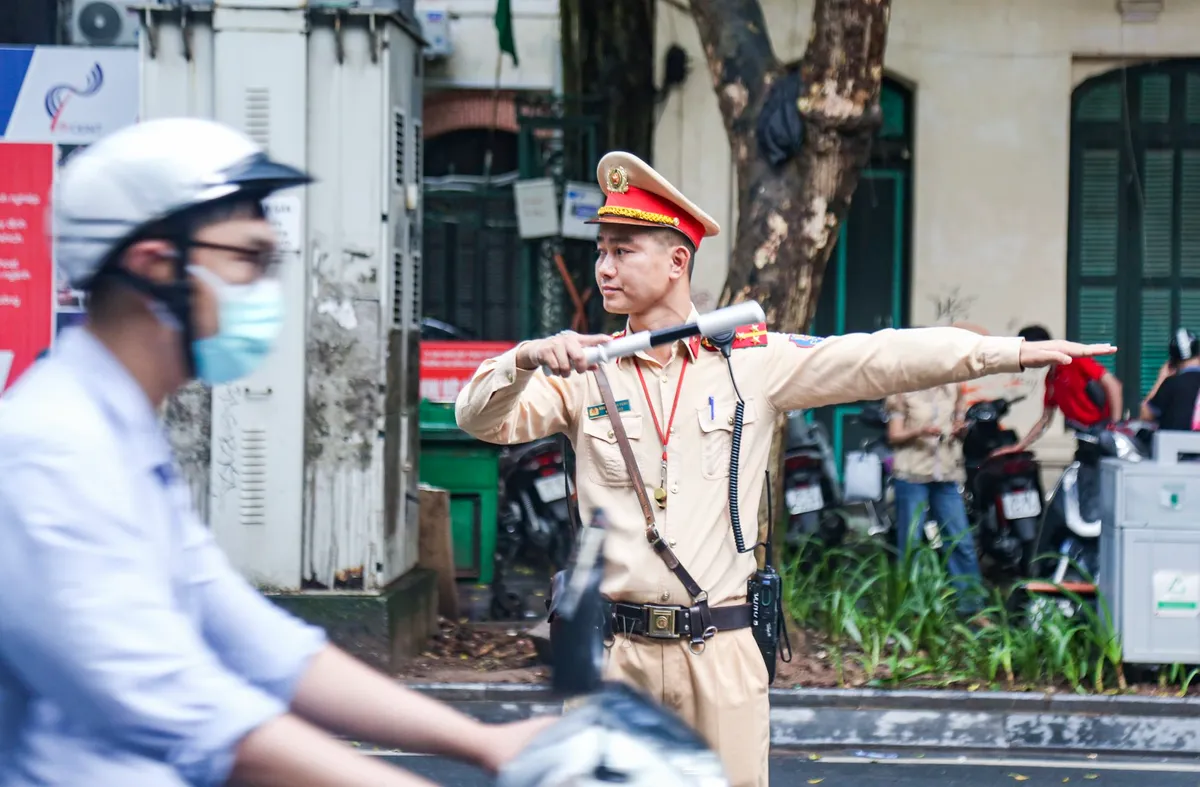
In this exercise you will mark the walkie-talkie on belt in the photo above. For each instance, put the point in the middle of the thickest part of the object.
(764, 592)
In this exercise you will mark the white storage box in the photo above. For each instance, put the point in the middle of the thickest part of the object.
(864, 477)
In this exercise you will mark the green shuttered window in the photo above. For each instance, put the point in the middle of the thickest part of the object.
(1134, 249)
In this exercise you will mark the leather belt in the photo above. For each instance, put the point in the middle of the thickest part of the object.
(667, 622)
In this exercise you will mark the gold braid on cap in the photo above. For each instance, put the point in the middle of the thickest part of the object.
(641, 215)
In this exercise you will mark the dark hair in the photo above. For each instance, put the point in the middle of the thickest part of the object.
(102, 298)
(1034, 333)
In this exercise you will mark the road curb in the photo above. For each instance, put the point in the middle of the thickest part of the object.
(995, 721)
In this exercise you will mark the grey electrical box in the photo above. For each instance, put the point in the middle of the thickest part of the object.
(333, 506)
(1150, 551)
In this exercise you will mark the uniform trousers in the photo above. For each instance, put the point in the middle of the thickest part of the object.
(721, 692)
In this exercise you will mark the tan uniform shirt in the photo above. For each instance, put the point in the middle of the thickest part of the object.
(927, 458)
(506, 405)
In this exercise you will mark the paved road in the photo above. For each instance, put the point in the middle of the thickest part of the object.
(933, 769)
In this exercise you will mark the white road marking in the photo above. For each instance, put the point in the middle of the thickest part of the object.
(1016, 762)
(962, 761)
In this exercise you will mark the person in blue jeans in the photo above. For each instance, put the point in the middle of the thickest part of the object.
(924, 428)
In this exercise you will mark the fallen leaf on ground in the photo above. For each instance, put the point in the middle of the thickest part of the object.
(1090, 776)
(1019, 777)
(815, 781)
(814, 757)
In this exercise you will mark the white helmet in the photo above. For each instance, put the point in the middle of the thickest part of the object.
(148, 174)
(619, 735)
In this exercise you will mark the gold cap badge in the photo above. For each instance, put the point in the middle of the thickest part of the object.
(618, 180)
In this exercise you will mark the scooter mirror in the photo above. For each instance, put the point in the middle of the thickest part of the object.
(577, 625)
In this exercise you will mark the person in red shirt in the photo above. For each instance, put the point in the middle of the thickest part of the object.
(1086, 392)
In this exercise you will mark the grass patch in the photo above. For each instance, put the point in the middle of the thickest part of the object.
(895, 620)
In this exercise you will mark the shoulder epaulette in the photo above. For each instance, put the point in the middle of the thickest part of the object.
(752, 335)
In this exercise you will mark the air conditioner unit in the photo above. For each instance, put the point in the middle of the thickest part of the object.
(104, 23)
(435, 27)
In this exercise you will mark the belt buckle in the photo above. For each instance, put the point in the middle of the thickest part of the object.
(660, 622)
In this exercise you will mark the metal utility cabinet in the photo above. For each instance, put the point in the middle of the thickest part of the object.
(308, 471)
(1150, 551)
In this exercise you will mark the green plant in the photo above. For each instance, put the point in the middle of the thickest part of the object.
(894, 615)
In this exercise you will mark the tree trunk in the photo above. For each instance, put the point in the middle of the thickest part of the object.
(789, 216)
(609, 47)
(608, 73)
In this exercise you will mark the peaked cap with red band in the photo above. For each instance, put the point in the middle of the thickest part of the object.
(638, 195)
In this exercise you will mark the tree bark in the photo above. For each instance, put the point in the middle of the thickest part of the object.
(789, 217)
(609, 47)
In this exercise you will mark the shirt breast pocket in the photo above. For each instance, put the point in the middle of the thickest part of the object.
(716, 435)
(605, 464)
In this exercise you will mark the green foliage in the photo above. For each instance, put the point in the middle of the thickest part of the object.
(894, 618)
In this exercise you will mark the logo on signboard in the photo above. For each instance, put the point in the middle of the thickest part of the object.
(59, 96)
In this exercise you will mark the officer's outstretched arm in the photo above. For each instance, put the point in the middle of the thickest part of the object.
(806, 372)
(505, 404)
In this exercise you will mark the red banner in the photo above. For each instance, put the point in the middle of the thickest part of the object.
(447, 366)
(26, 264)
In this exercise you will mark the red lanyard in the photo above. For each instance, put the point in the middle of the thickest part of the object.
(660, 494)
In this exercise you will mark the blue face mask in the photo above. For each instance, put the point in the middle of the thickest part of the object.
(250, 317)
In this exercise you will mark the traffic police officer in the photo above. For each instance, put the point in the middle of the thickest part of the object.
(131, 652)
(677, 404)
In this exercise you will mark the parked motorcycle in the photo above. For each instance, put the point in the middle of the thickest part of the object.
(1003, 493)
(534, 523)
(868, 472)
(811, 488)
(1070, 527)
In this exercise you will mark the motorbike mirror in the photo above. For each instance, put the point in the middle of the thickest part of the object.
(577, 626)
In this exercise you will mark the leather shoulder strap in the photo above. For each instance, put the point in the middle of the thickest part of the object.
(639, 488)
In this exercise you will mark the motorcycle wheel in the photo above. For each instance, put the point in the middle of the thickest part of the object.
(832, 528)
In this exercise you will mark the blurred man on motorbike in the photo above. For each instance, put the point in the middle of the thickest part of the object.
(131, 650)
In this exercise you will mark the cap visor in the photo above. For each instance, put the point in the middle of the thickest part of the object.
(260, 172)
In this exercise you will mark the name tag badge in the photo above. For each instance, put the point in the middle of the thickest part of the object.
(599, 410)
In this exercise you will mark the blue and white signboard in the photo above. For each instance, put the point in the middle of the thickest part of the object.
(66, 95)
